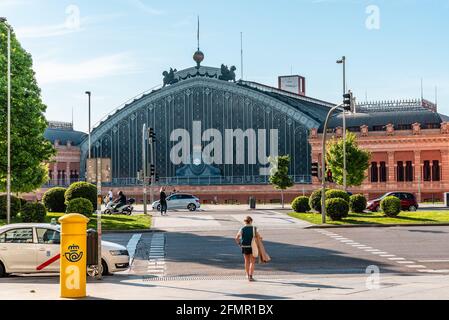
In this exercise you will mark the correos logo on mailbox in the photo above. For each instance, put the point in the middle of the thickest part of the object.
(73, 254)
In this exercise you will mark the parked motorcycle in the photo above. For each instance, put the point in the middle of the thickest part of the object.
(125, 210)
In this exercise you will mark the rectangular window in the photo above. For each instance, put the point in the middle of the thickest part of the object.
(409, 171)
(426, 171)
(400, 171)
(383, 172)
(436, 171)
(374, 172)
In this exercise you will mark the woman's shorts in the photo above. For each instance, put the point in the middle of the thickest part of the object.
(247, 250)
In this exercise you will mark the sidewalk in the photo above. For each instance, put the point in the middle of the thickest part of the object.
(340, 287)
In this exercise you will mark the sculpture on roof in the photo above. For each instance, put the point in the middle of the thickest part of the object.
(227, 74)
(169, 77)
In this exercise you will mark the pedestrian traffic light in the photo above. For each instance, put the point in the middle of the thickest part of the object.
(329, 177)
(156, 177)
(348, 101)
(315, 169)
(152, 170)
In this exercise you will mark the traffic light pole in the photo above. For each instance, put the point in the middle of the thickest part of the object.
(323, 165)
(144, 170)
(152, 164)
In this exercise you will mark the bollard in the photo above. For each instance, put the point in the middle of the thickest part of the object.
(73, 267)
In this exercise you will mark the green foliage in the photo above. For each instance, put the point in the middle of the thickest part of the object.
(82, 190)
(81, 206)
(357, 203)
(335, 193)
(337, 208)
(279, 174)
(54, 199)
(315, 200)
(279, 177)
(391, 206)
(301, 204)
(29, 147)
(357, 160)
(33, 212)
(15, 206)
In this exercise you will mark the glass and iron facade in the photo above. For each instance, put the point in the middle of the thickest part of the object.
(199, 96)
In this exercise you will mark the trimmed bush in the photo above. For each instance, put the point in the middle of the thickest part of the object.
(301, 204)
(15, 206)
(315, 200)
(33, 212)
(82, 190)
(81, 206)
(357, 203)
(54, 199)
(337, 208)
(22, 202)
(335, 193)
(391, 206)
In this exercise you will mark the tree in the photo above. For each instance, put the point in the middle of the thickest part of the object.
(29, 149)
(357, 160)
(279, 177)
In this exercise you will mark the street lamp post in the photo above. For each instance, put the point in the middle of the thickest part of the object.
(343, 62)
(323, 165)
(89, 95)
(8, 172)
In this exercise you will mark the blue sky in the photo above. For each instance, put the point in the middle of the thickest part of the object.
(119, 48)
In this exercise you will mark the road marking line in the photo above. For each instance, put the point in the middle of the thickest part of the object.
(387, 255)
(371, 250)
(432, 261)
(379, 253)
(416, 266)
(395, 259)
(405, 262)
(132, 245)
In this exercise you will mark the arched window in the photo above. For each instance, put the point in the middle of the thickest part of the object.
(409, 171)
(400, 171)
(383, 172)
(426, 171)
(436, 171)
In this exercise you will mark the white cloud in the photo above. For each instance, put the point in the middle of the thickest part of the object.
(105, 66)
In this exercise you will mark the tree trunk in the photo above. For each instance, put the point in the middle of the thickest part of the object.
(282, 198)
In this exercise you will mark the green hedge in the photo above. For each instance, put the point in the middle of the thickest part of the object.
(391, 206)
(33, 212)
(336, 193)
(81, 206)
(357, 203)
(301, 205)
(315, 200)
(54, 199)
(82, 190)
(15, 206)
(337, 208)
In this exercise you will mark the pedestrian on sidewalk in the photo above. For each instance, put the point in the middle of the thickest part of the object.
(163, 201)
(244, 239)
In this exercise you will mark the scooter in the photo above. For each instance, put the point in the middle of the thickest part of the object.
(125, 210)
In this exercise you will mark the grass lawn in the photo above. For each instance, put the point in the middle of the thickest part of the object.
(418, 217)
(110, 223)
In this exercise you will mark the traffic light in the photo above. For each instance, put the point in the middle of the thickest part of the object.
(152, 170)
(315, 169)
(329, 176)
(348, 101)
(151, 135)
(156, 178)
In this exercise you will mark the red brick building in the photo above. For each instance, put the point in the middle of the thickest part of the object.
(409, 142)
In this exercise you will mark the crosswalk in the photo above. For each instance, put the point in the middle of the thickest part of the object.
(156, 257)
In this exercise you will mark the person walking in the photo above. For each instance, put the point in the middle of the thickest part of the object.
(110, 195)
(163, 202)
(244, 239)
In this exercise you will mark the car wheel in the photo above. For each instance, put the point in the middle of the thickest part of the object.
(92, 271)
(377, 209)
(191, 207)
(107, 211)
(2, 270)
(412, 208)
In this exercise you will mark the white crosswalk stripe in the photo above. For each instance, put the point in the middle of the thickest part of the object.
(156, 257)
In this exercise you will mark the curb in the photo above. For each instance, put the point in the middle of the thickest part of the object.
(377, 226)
(129, 231)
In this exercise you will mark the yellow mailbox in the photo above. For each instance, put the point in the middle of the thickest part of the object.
(73, 255)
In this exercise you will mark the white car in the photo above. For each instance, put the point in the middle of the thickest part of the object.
(180, 201)
(25, 246)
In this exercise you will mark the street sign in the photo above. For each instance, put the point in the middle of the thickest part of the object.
(105, 172)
